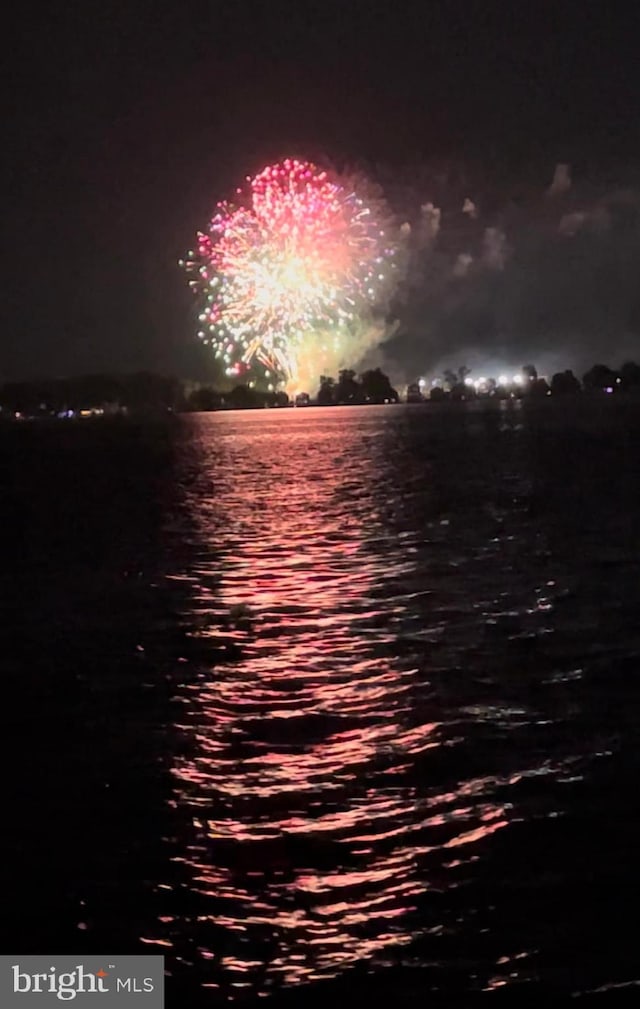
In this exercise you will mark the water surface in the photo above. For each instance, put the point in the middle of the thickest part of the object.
(322, 701)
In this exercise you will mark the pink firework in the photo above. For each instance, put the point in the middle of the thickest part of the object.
(302, 255)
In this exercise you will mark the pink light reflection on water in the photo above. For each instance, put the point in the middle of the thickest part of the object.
(305, 729)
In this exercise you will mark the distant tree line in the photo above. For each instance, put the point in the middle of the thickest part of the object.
(139, 391)
(147, 392)
(373, 387)
(242, 397)
(457, 385)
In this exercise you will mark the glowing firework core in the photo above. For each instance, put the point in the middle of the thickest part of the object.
(284, 275)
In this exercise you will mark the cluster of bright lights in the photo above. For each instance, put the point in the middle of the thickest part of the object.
(284, 272)
(482, 382)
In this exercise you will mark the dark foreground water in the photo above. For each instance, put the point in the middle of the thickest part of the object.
(328, 704)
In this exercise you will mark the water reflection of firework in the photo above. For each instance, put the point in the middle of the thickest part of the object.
(291, 275)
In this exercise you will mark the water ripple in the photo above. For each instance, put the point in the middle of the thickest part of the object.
(382, 682)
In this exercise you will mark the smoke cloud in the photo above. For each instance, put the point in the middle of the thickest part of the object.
(504, 273)
(561, 181)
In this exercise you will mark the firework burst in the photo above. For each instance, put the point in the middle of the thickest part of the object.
(287, 273)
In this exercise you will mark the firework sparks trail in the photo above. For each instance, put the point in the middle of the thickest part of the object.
(288, 274)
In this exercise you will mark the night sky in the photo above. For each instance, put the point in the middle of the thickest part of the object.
(125, 122)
